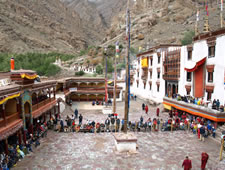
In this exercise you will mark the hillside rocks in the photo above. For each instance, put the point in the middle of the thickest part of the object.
(40, 26)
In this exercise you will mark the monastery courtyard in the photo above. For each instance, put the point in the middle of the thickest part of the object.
(156, 150)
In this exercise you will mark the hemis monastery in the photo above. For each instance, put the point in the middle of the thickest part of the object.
(196, 70)
(25, 100)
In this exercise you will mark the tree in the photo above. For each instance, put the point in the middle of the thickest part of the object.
(99, 69)
(187, 39)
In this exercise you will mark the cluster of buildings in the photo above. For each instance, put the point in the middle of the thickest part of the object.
(25, 101)
(196, 70)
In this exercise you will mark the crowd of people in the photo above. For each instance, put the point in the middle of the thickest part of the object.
(215, 104)
(17, 150)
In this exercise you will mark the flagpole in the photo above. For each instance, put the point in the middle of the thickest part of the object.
(115, 77)
(221, 14)
(127, 68)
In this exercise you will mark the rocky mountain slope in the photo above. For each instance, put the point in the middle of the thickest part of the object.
(165, 21)
(40, 26)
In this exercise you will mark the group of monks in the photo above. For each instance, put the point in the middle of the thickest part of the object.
(187, 162)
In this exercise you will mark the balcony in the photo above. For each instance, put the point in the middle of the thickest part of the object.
(40, 108)
(10, 125)
(195, 110)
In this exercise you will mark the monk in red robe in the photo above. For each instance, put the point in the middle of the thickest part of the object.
(146, 109)
(205, 158)
(187, 164)
(157, 112)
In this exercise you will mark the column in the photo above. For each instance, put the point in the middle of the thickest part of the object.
(87, 97)
(24, 136)
(49, 92)
(37, 101)
(6, 147)
(58, 107)
(54, 91)
(19, 136)
(4, 116)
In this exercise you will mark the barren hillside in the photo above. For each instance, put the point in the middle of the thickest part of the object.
(164, 21)
(39, 26)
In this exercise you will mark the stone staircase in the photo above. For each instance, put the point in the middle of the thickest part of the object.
(218, 134)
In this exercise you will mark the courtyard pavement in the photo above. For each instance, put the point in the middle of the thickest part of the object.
(156, 150)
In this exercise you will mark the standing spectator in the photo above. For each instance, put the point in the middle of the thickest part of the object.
(187, 164)
(204, 160)
(143, 106)
(157, 112)
(112, 123)
(62, 125)
(146, 109)
(80, 119)
(107, 123)
(76, 113)
(217, 104)
(202, 133)
(213, 132)
(135, 97)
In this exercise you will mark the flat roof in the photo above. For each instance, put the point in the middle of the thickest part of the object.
(152, 50)
(207, 35)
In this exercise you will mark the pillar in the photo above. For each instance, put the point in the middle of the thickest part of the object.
(6, 147)
(4, 116)
(54, 92)
(24, 136)
(20, 137)
(49, 92)
(58, 107)
(87, 97)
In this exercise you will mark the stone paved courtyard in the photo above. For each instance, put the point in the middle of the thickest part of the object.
(156, 150)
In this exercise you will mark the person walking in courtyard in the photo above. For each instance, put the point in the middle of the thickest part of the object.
(80, 119)
(146, 109)
(204, 160)
(143, 106)
(157, 112)
(76, 113)
(135, 97)
(187, 164)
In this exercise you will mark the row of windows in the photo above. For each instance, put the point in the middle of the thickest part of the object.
(150, 75)
(150, 86)
(211, 52)
(210, 77)
(151, 61)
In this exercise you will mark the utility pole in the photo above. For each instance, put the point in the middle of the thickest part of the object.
(127, 68)
(106, 81)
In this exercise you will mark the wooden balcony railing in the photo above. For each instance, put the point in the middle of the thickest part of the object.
(41, 104)
(9, 119)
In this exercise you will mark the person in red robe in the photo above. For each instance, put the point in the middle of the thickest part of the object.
(205, 158)
(187, 164)
(146, 109)
(157, 112)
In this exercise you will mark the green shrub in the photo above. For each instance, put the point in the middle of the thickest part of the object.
(187, 39)
(41, 63)
(79, 73)
(99, 69)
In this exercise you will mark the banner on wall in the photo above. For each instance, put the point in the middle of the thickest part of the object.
(144, 62)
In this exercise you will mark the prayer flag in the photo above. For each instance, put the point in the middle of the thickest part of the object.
(206, 8)
(221, 5)
(197, 16)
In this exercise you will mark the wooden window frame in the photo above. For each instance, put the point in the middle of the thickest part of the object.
(189, 55)
(211, 52)
(210, 77)
(187, 77)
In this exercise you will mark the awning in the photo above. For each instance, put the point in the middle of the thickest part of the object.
(167, 107)
(191, 66)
